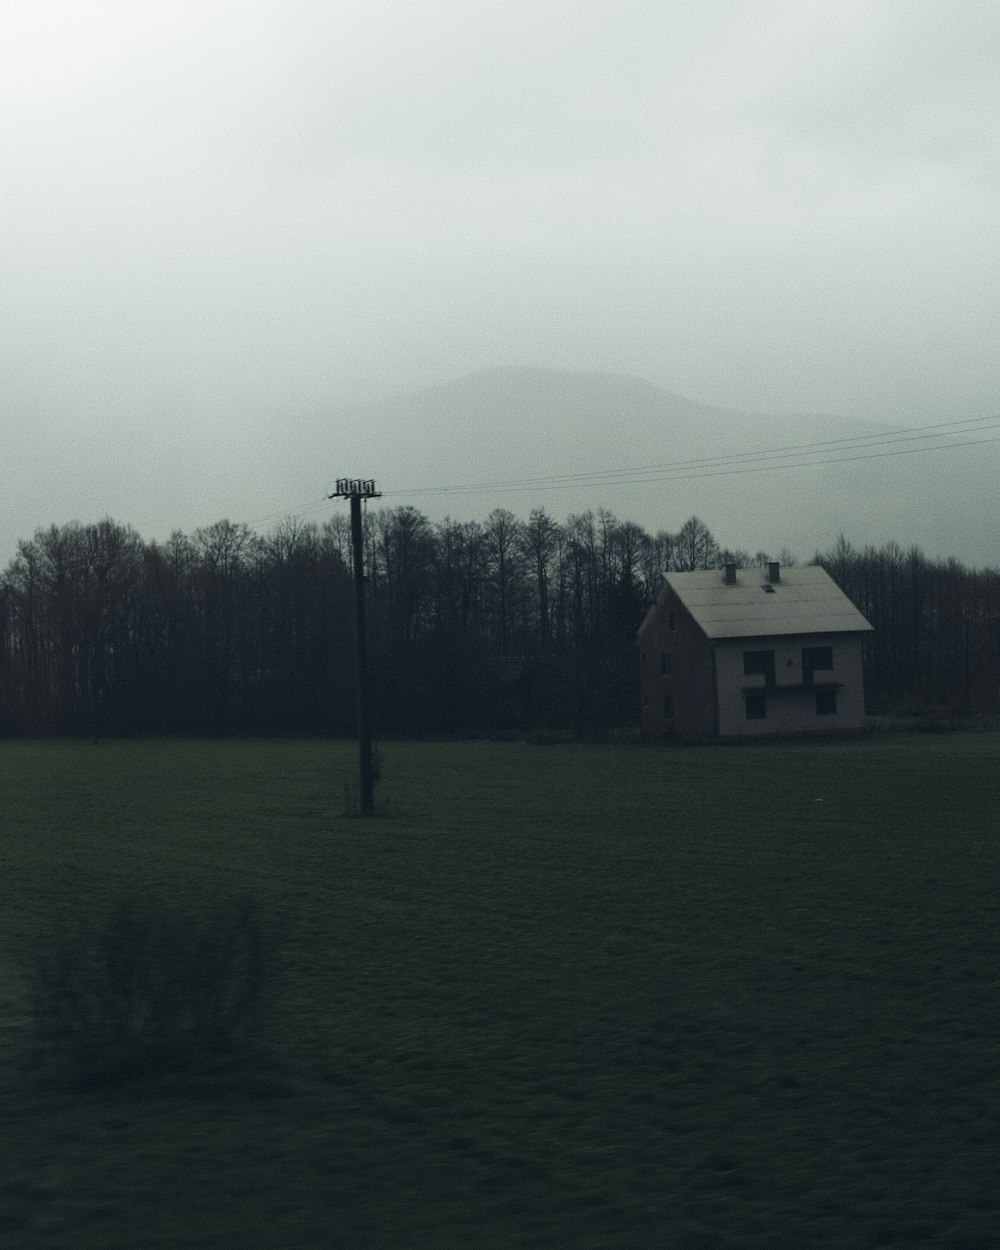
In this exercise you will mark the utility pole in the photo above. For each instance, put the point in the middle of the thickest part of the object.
(356, 489)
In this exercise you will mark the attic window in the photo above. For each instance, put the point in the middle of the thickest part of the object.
(767, 588)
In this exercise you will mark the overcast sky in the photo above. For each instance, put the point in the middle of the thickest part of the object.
(220, 214)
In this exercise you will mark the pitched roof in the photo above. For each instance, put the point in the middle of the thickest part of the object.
(805, 601)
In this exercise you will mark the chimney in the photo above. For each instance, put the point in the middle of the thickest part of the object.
(774, 571)
(730, 574)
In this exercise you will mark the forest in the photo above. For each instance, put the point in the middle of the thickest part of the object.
(477, 628)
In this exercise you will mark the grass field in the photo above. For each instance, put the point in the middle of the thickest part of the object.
(551, 995)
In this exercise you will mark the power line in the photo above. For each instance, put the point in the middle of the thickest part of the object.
(731, 463)
(801, 455)
(303, 509)
(761, 460)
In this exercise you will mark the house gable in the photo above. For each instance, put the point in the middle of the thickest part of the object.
(675, 672)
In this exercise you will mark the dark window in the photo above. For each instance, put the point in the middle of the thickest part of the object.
(756, 707)
(673, 621)
(815, 660)
(666, 663)
(759, 662)
(826, 703)
(668, 707)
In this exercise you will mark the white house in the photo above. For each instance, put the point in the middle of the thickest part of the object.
(748, 652)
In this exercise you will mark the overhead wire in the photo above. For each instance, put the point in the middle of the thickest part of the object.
(760, 460)
(279, 514)
(798, 455)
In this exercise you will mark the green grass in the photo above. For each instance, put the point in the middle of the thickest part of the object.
(553, 995)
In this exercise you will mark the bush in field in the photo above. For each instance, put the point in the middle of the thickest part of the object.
(150, 988)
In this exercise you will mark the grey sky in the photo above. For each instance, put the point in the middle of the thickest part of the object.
(221, 214)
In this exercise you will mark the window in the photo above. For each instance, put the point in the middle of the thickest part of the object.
(826, 703)
(666, 663)
(673, 621)
(756, 707)
(815, 659)
(668, 707)
(759, 663)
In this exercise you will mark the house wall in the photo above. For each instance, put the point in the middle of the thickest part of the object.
(789, 707)
(671, 631)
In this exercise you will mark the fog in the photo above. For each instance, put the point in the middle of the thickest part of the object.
(224, 219)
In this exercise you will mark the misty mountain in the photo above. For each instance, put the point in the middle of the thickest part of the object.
(527, 438)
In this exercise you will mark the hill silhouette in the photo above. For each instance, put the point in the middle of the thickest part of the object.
(522, 438)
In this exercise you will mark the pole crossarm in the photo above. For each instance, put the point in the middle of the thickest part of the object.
(355, 488)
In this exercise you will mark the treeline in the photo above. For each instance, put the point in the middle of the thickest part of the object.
(505, 624)
(936, 644)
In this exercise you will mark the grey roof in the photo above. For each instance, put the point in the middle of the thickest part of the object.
(804, 601)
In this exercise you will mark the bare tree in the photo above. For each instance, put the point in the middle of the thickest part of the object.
(541, 543)
(503, 549)
(695, 548)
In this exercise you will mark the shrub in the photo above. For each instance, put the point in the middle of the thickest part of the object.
(149, 988)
